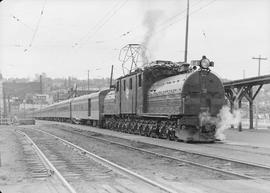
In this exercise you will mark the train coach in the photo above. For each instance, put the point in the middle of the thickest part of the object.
(165, 100)
(86, 109)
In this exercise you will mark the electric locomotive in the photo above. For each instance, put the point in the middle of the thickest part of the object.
(166, 100)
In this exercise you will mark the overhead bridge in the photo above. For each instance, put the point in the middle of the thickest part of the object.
(249, 88)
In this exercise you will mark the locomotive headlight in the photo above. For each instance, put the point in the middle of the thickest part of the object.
(205, 63)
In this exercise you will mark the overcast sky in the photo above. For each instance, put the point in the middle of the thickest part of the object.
(66, 38)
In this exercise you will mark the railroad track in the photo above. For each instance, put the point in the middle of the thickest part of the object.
(233, 167)
(82, 171)
(36, 167)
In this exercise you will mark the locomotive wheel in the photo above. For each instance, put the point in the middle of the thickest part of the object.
(124, 128)
(117, 128)
(114, 125)
(153, 134)
(133, 127)
(129, 129)
(142, 130)
(121, 127)
(167, 135)
(138, 129)
(147, 131)
(172, 136)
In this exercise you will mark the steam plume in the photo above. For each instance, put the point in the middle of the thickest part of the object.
(226, 120)
(223, 120)
(150, 21)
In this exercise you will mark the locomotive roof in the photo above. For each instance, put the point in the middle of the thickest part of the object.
(159, 65)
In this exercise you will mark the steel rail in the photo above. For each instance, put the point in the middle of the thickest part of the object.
(48, 163)
(184, 150)
(115, 166)
(195, 152)
(183, 160)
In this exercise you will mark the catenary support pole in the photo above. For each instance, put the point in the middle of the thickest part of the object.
(186, 39)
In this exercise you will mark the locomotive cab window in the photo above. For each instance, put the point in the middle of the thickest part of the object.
(130, 83)
(124, 85)
(140, 80)
(117, 86)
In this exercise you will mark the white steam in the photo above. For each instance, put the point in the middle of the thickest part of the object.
(151, 19)
(223, 121)
(226, 120)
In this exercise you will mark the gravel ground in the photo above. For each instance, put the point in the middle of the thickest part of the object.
(163, 170)
(84, 174)
(15, 175)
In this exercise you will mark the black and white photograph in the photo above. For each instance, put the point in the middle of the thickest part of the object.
(135, 96)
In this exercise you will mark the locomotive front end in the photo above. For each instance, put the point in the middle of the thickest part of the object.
(202, 99)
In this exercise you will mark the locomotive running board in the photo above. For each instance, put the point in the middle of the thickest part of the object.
(156, 115)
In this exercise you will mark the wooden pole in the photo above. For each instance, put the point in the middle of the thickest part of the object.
(111, 77)
(186, 39)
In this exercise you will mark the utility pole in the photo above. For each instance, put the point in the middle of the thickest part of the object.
(111, 77)
(88, 84)
(40, 82)
(259, 67)
(187, 22)
(259, 73)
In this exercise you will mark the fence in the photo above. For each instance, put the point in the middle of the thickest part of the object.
(4, 121)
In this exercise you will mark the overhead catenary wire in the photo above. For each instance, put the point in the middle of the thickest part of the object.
(37, 27)
(95, 26)
(108, 16)
(182, 18)
(164, 23)
(131, 30)
(180, 13)
(21, 22)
